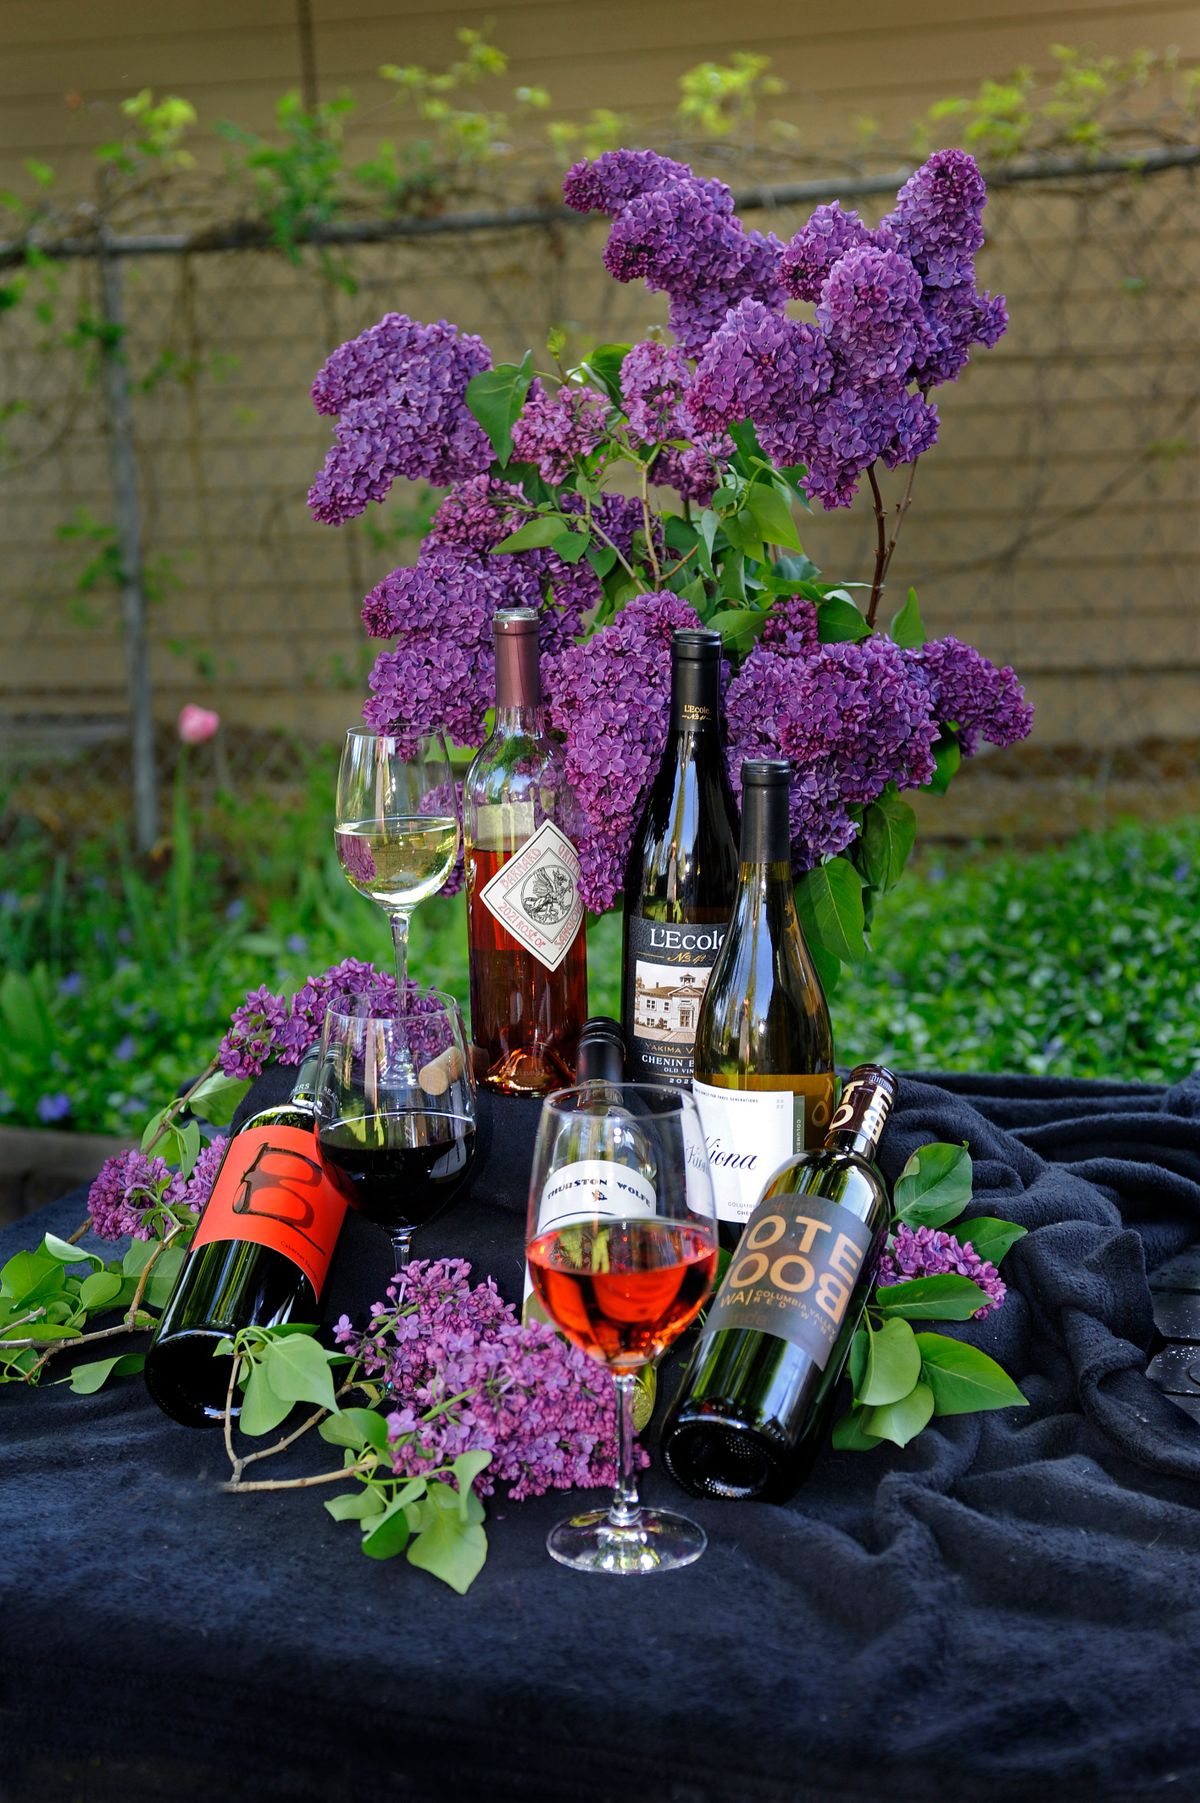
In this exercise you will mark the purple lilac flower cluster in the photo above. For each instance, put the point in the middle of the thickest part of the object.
(127, 1189)
(398, 391)
(555, 429)
(267, 1026)
(543, 1409)
(610, 699)
(965, 687)
(931, 1252)
(678, 234)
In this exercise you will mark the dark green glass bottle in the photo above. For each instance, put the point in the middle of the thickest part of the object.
(753, 1406)
(259, 1257)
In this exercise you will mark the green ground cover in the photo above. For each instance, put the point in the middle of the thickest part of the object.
(119, 975)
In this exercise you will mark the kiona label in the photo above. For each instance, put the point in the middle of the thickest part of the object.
(272, 1190)
(793, 1273)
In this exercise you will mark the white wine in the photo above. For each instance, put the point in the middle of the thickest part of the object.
(397, 862)
(764, 1078)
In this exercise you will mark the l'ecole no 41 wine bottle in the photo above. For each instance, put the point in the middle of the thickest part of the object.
(752, 1409)
(764, 1079)
(681, 873)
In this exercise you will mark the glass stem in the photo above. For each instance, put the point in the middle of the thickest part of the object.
(400, 947)
(625, 1506)
(401, 1238)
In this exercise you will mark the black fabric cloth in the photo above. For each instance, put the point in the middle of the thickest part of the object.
(1008, 1608)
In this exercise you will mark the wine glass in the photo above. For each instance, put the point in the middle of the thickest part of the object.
(397, 833)
(621, 1240)
(395, 1108)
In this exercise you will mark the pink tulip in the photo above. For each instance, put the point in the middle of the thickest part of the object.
(196, 724)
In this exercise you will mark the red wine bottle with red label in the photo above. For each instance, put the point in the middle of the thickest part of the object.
(259, 1257)
(681, 874)
(525, 920)
(754, 1403)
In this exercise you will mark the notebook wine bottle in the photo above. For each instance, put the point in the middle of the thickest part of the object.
(681, 873)
(764, 1079)
(259, 1256)
(754, 1403)
(527, 949)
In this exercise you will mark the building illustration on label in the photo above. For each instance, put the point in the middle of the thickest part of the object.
(535, 896)
(666, 1002)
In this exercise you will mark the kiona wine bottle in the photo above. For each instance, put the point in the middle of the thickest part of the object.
(755, 1400)
(259, 1257)
(681, 873)
(764, 1081)
(525, 923)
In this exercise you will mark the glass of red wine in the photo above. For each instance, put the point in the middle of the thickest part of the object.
(395, 1107)
(621, 1240)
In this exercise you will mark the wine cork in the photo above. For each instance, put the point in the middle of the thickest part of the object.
(436, 1077)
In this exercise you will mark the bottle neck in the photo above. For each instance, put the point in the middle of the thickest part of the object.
(304, 1089)
(518, 678)
(766, 851)
(524, 722)
(696, 699)
(861, 1115)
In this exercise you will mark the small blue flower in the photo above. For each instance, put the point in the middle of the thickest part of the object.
(124, 935)
(71, 984)
(10, 901)
(7, 1104)
(296, 942)
(124, 1049)
(236, 909)
(53, 1108)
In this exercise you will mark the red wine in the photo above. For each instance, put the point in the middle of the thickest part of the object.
(623, 1290)
(755, 1400)
(259, 1257)
(681, 874)
(398, 1169)
(525, 923)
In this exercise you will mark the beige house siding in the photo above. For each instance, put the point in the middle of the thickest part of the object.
(1055, 525)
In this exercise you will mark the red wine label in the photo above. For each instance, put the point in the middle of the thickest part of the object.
(793, 1273)
(671, 964)
(272, 1190)
(535, 895)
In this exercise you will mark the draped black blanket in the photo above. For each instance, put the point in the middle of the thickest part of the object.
(1009, 1608)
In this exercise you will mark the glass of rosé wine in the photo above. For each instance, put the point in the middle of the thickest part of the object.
(621, 1240)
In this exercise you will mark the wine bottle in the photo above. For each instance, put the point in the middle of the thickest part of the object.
(259, 1256)
(764, 1081)
(526, 942)
(681, 874)
(754, 1402)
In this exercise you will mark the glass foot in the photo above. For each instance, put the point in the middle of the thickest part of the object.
(655, 1540)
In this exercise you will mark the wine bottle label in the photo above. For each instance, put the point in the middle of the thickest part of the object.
(793, 1273)
(272, 1190)
(535, 895)
(749, 1134)
(671, 965)
(591, 1189)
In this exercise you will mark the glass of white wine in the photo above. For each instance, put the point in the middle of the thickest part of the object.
(397, 833)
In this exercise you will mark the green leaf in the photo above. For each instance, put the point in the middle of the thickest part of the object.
(990, 1237)
(262, 1409)
(217, 1098)
(30, 1277)
(138, 1256)
(450, 1548)
(66, 1254)
(389, 1533)
(466, 1469)
(26, 1016)
(857, 1363)
(570, 546)
(534, 534)
(830, 904)
(604, 363)
(947, 756)
(964, 1379)
(848, 1435)
(901, 1421)
(556, 341)
(496, 397)
(828, 968)
(100, 1288)
(355, 1428)
(935, 1185)
(892, 1365)
(362, 1505)
(151, 1128)
(165, 1275)
(888, 831)
(947, 1297)
(773, 517)
(708, 525)
(750, 454)
(86, 1379)
(189, 1148)
(738, 626)
(297, 1370)
(790, 569)
(839, 621)
(908, 628)
(602, 559)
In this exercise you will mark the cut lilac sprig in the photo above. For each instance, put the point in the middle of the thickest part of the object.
(931, 1252)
